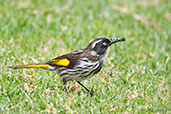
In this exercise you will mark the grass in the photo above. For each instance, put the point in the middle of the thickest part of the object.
(136, 77)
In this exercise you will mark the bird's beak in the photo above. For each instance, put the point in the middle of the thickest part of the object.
(114, 40)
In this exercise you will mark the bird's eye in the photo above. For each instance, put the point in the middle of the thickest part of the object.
(104, 43)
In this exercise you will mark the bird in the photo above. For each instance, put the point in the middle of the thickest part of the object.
(78, 65)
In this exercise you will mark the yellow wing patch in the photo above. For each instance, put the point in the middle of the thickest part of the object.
(60, 62)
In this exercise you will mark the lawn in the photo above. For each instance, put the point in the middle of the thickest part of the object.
(136, 77)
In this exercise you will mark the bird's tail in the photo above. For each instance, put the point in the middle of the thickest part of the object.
(40, 65)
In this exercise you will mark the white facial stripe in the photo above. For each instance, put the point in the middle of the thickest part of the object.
(94, 44)
(93, 53)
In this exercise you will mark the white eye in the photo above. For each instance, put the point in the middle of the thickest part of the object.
(104, 43)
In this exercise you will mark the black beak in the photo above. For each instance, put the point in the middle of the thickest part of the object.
(114, 40)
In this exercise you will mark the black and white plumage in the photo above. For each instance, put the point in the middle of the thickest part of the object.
(78, 65)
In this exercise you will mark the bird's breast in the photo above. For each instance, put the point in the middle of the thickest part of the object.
(83, 70)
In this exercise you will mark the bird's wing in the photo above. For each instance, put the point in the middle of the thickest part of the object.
(68, 60)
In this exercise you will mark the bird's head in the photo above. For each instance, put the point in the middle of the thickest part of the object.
(100, 45)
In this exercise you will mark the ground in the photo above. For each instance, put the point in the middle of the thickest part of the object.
(136, 77)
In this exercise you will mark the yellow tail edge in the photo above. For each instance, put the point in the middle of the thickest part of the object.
(30, 66)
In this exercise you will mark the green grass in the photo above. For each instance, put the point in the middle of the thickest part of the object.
(136, 77)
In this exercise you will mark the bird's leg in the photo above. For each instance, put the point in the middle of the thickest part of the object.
(64, 81)
(91, 93)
